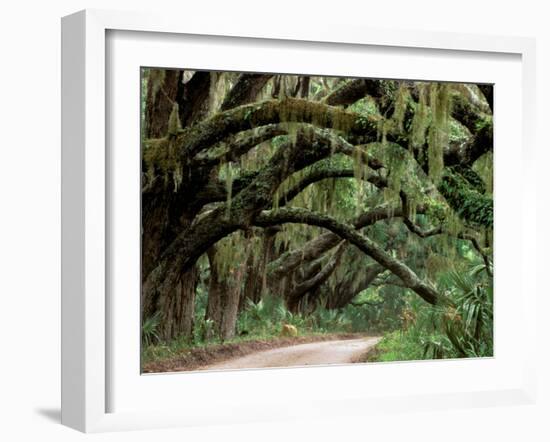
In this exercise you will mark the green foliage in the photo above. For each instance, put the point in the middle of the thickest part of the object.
(420, 121)
(264, 319)
(365, 106)
(459, 331)
(438, 135)
(149, 330)
(467, 202)
(414, 128)
(471, 330)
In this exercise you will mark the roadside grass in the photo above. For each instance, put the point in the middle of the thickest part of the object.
(196, 357)
(155, 352)
(402, 346)
(412, 329)
(464, 330)
(260, 322)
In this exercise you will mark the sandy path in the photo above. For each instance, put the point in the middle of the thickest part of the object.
(316, 353)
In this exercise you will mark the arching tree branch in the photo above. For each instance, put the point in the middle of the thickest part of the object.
(411, 225)
(353, 90)
(313, 249)
(225, 219)
(234, 147)
(346, 290)
(303, 287)
(322, 173)
(207, 133)
(294, 215)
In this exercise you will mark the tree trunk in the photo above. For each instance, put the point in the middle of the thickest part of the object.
(162, 91)
(313, 282)
(346, 290)
(295, 215)
(177, 308)
(231, 300)
(165, 213)
(256, 284)
(224, 295)
(214, 306)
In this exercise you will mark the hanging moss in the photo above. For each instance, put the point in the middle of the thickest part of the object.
(292, 130)
(421, 120)
(156, 78)
(484, 168)
(402, 96)
(213, 97)
(438, 134)
(396, 161)
(453, 224)
(359, 171)
(228, 188)
(231, 252)
(174, 123)
(161, 159)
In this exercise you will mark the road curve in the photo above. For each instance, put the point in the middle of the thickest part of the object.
(315, 353)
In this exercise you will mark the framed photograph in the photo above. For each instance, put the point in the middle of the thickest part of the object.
(252, 213)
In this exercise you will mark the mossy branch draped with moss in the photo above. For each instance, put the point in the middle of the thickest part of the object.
(345, 231)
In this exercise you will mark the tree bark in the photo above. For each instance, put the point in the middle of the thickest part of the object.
(164, 215)
(214, 306)
(174, 236)
(346, 290)
(208, 132)
(224, 296)
(220, 222)
(256, 283)
(177, 307)
(309, 285)
(246, 89)
(162, 91)
(353, 90)
(231, 300)
(193, 98)
(289, 261)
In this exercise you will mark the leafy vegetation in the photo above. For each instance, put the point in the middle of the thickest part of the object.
(331, 205)
(464, 330)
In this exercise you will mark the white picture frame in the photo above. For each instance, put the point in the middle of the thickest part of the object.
(87, 353)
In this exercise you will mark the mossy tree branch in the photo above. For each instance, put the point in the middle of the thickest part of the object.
(237, 213)
(354, 90)
(207, 133)
(315, 248)
(346, 290)
(345, 231)
(323, 173)
(298, 292)
(411, 225)
(234, 147)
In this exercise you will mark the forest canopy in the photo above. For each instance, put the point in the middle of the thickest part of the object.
(347, 204)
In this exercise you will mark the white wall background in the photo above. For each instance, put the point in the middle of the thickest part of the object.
(30, 216)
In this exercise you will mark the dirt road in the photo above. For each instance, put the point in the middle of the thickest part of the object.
(316, 353)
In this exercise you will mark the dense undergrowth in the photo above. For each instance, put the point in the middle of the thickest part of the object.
(411, 329)
(263, 321)
(464, 330)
